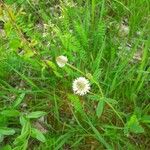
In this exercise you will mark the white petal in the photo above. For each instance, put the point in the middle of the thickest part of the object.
(81, 86)
(61, 61)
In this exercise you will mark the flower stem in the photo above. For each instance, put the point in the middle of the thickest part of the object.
(99, 87)
(74, 68)
(100, 90)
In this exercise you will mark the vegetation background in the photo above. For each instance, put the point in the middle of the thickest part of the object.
(108, 40)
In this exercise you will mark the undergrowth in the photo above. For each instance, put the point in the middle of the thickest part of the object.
(105, 41)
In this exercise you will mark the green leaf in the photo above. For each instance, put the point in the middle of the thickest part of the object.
(19, 99)
(133, 125)
(22, 120)
(25, 132)
(110, 100)
(28, 54)
(36, 114)
(10, 1)
(7, 147)
(51, 65)
(145, 119)
(1, 138)
(54, 68)
(38, 135)
(76, 102)
(99, 136)
(10, 113)
(14, 43)
(57, 74)
(100, 108)
(94, 97)
(23, 146)
(61, 140)
(18, 148)
(8, 28)
(3, 120)
(6, 131)
(26, 127)
(13, 1)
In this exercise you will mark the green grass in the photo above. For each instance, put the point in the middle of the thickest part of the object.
(38, 109)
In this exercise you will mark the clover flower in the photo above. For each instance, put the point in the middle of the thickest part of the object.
(124, 30)
(81, 86)
(61, 61)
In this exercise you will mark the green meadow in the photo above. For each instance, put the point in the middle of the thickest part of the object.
(74, 74)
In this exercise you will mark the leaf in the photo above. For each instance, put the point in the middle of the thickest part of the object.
(100, 108)
(19, 99)
(17, 148)
(51, 65)
(76, 102)
(98, 136)
(28, 54)
(13, 1)
(57, 74)
(3, 120)
(14, 43)
(1, 138)
(38, 135)
(6, 131)
(10, 113)
(8, 28)
(133, 125)
(36, 114)
(54, 68)
(26, 129)
(61, 140)
(7, 147)
(94, 97)
(145, 119)
(23, 146)
(110, 100)
(30, 82)
(22, 120)
(10, 1)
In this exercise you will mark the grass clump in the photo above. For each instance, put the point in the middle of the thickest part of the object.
(74, 74)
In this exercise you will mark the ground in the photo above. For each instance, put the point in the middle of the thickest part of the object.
(74, 74)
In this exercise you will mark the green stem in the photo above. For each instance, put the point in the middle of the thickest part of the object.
(93, 12)
(74, 68)
(100, 89)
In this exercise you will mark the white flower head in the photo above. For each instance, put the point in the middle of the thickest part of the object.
(124, 30)
(81, 86)
(45, 34)
(61, 61)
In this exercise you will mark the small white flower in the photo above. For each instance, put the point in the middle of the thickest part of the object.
(124, 30)
(138, 33)
(61, 61)
(45, 34)
(81, 86)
